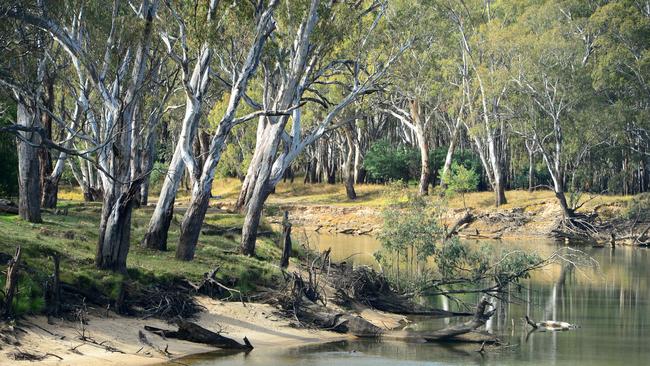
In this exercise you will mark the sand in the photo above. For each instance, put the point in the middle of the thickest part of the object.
(255, 321)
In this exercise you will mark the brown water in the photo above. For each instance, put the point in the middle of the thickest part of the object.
(612, 307)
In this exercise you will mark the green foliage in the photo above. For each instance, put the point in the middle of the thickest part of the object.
(412, 239)
(387, 162)
(28, 298)
(461, 180)
(157, 175)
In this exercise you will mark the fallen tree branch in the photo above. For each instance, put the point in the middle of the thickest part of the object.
(193, 332)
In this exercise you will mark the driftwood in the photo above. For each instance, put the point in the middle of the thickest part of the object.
(481, 315)
(11, 283)
(193, 332)
(365, 286)
(467, 219)
(465, 332)
(552, 325)
(319, 316)
(213, 288)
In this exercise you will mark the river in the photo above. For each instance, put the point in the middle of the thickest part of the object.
(611, 305)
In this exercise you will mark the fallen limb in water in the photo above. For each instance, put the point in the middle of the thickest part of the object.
(551, 325)
(465, 332)
(193, 332)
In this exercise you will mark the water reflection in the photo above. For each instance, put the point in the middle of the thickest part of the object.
(610, 305)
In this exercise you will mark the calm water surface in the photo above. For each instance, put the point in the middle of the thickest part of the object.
(612, 307)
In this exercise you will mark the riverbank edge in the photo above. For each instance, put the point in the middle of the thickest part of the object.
(117, 340)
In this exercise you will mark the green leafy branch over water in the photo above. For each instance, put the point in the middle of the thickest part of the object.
(419, 256)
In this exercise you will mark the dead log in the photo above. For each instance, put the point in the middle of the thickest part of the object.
(11, 283)
(286, 241)
(193, 332)
(467, 219)
(481, 315)
(8, 209)
(317, 315)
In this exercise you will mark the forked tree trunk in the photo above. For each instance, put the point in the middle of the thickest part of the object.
(156, 236)
(29, 186)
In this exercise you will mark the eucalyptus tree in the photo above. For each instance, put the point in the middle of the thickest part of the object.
(309, 66)
(117, 76)
(185, 47)
(619, 67)
(487, 87)
(22, 78)
(552, 75)
(203, 177)
(415, 97)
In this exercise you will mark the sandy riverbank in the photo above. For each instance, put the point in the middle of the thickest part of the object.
(258, 322)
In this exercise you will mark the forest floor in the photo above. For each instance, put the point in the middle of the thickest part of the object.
(71, 232)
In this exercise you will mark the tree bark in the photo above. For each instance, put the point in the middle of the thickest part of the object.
(349, 163)
(193, 332)
(29, 187)
(191, 225)
(156, 236)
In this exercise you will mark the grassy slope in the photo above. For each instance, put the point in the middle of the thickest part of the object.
(74, 236)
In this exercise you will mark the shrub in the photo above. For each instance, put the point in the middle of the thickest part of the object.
(386, 162)
(460, 180)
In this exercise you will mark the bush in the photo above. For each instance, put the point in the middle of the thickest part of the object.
(460, 180)
(157, 175)
(386, 162)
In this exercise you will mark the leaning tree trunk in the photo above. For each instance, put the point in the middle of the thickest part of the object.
(156, 235)
(450, 154)
(497, 169)
(29, 187)
(191, 225)
(252, 219)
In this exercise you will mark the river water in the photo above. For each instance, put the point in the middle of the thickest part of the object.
(611, 305)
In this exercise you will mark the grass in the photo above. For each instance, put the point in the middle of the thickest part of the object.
(74, 237)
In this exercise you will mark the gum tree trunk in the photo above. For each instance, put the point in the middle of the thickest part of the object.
(156, 236)
(29, 187)
(349, 163)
